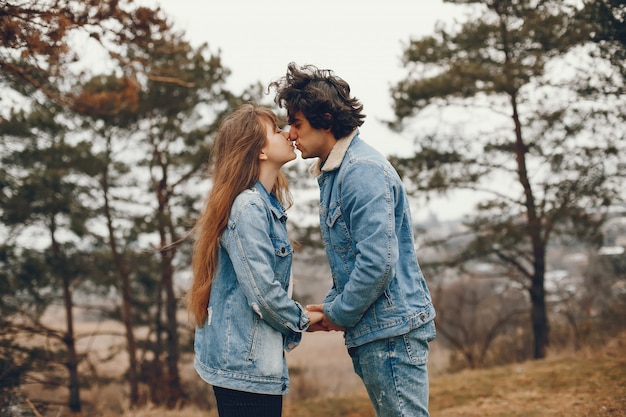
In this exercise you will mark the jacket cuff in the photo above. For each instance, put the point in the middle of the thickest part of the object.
(292, 341)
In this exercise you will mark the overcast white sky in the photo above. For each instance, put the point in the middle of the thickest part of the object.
(361, 40)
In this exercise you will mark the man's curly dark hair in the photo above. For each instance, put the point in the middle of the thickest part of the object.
(322, 97)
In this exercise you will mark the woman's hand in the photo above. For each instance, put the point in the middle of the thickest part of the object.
(321, 324)
(316, 321)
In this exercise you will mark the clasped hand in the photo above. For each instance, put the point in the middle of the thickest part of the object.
(319, 321)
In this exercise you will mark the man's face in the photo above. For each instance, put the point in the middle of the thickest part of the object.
(311, 142)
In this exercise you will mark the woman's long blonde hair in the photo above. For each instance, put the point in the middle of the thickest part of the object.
(240, 139)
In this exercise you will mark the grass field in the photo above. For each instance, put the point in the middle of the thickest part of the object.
(580, 384)
(586, 383)
(568, 386)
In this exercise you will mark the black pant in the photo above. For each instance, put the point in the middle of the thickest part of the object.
(231, 403)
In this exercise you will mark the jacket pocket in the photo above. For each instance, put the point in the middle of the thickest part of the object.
(265, 352)
(282, 248)
(282, 260)
(337, 229)
(254, 340)
(334, 213)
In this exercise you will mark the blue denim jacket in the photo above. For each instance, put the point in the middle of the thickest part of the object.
(251, 317)
(378, 289)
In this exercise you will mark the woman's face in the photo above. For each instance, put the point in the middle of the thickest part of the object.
(278, 148)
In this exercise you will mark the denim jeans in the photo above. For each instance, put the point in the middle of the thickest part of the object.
(394, 372)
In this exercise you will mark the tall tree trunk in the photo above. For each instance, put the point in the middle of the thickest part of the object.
(70, 343)
(168, 252)
(536, 289)
(69, 340)
(127, 302)
(154, 369)
(172, 345)
(539, 315)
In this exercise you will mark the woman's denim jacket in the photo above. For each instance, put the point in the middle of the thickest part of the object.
(378, 289)
(251, 317)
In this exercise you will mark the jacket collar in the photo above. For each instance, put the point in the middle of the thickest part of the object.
(335, 157)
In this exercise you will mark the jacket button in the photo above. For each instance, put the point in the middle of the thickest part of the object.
(284, 387)
(282, 249)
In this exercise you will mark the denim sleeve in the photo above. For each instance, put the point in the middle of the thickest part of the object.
(367, 204)
(330, 295)
(252, 254)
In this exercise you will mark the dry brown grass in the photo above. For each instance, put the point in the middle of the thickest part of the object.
(575, 384)
(587, 384)
(567, 386)
(581, 384)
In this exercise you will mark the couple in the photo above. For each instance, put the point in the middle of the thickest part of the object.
(240, 295)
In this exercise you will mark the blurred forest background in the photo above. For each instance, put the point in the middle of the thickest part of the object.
(522, 103)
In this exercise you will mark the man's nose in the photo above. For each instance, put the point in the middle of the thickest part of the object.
(292, 135)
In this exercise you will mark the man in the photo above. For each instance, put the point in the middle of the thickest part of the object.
(379, 296)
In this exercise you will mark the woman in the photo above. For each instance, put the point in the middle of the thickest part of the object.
(239, 298)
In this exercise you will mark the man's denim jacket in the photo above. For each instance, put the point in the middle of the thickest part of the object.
(251, 317)
(378, 289)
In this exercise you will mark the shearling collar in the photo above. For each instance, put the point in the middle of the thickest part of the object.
(335, 157)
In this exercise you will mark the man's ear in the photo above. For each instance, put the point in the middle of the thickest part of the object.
(328, 117)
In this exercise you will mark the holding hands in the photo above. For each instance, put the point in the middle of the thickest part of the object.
(319, 321)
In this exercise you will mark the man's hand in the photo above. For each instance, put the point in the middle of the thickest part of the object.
(325, 324)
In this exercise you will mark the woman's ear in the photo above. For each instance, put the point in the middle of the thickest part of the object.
(262, 156)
